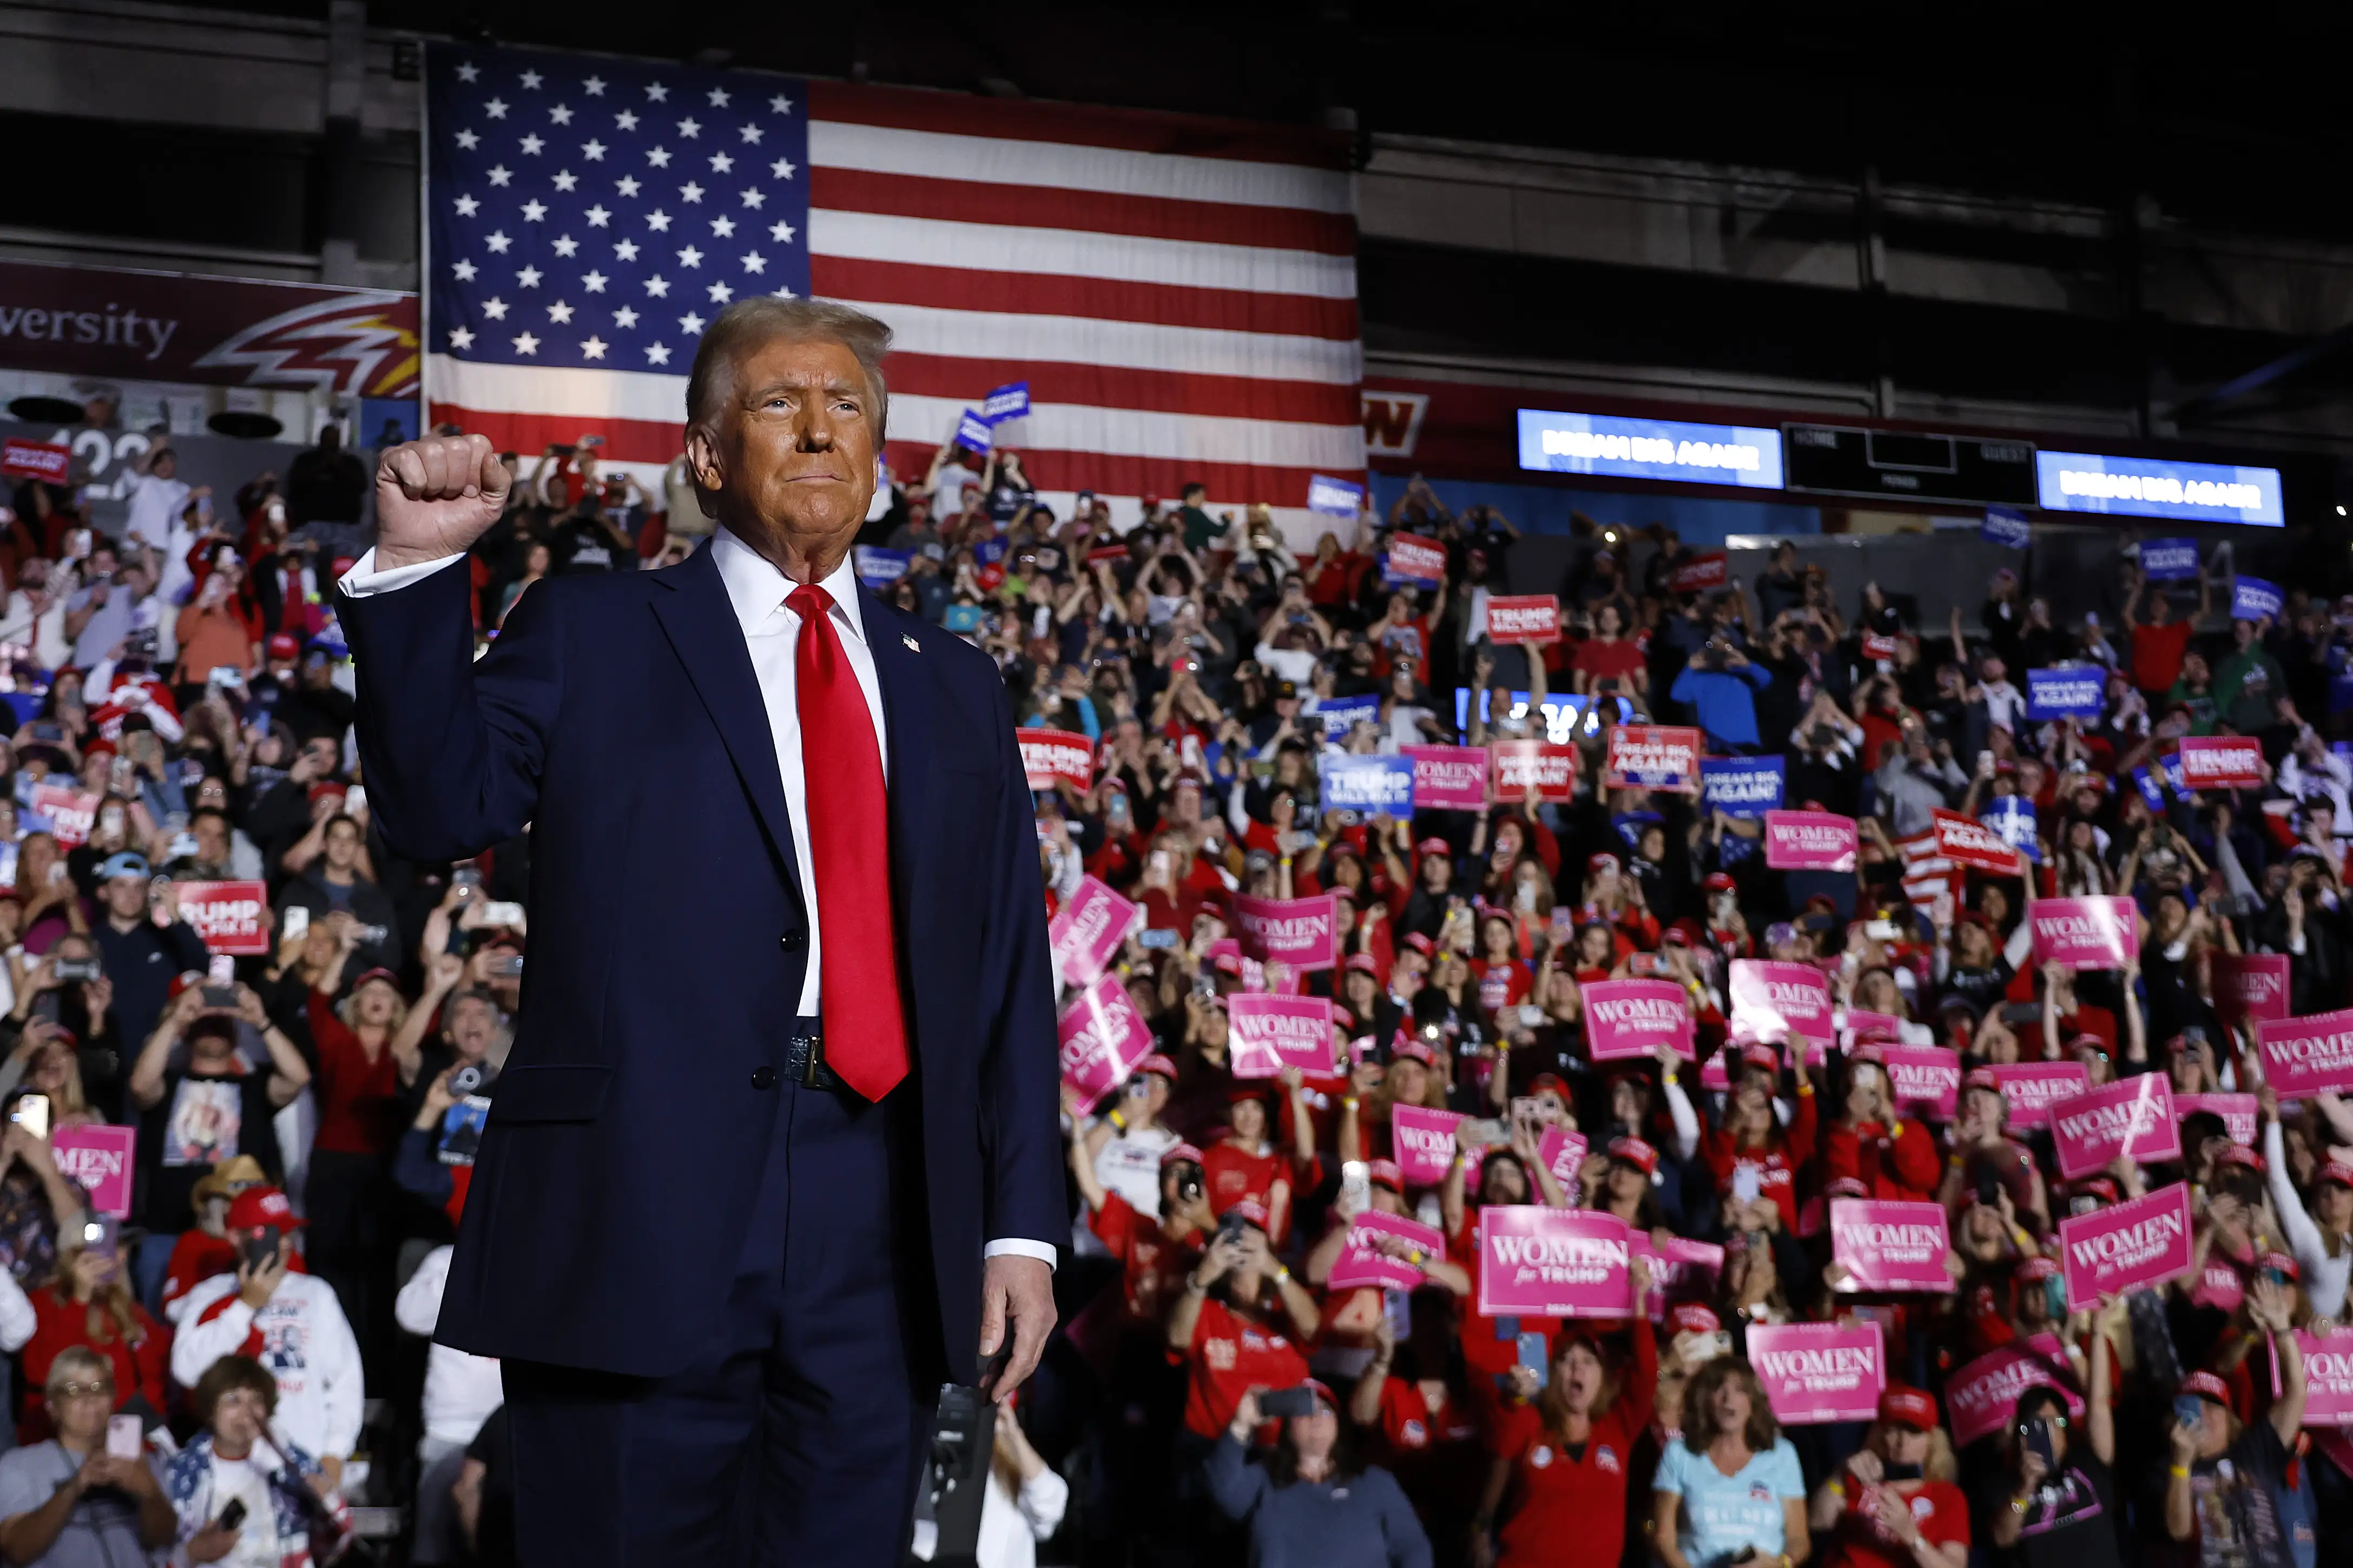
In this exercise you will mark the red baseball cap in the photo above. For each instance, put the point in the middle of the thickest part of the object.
(1433, 846)
(1867, 1051)
(284, 644)
(1252, 1211)
(379, 972)
(258, 1206)
(2102, 1188)
(2240, 1154)
(1548, 1080)
(1160, 1064)
(1387, 1173)
(2033, 1269)
(2336, 1170)
(2280, 1261)
(1177, 1153)
(1420, 943)
(1846, 1187)
(1983, 1077)
(1720, 882)
(1597, 862)
(1691, 1317)
(1758, 1054)
(1259, 1089)
(1413, 1050)
(1635, 1152)
(1362, 963)
(2206, 1385)
(1908, 1407)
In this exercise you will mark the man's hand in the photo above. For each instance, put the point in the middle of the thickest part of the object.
(256, 1285)
(1022, 1289)
(433, 498)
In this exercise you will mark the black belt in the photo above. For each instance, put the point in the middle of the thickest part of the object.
(805, 1059)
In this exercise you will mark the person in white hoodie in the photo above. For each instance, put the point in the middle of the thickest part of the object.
(461, 1389)
(290, 1322)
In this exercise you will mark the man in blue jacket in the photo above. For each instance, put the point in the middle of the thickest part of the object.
(775, 1149)
(1716, 684)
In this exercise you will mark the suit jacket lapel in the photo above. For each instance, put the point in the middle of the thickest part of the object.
(908, 701)
(699, 621)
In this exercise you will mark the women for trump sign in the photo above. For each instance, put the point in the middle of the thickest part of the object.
(1103, 1037)
(2031, 1088)
(2304, 1057)
(1272, 1033)
(2085, 933)
(1808, 841)
(1422, 1141)
(1777, 1000)
(1448, 777)
(1628, 1018)
(1301, 932)
(1087, 929)
(1554, 1263)
(2132, 1117)
(1371, 1254)
(2114, 1249)
(1981, 1397)
(1815, 1372)
(1888, 1245)
(2328, 1378)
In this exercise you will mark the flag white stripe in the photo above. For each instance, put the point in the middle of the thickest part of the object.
(1057, 427)
(941, 155)
(1077, 253)
(1122, 345)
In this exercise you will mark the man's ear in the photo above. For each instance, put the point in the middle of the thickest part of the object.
(702, 458)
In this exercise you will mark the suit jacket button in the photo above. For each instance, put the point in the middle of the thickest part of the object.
(764, 1077)
(795, 940)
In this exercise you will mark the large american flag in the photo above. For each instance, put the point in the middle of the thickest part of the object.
(1179, 294)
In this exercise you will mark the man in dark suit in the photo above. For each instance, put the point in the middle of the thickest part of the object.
(776, 1147)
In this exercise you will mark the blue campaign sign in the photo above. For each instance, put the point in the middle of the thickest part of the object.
(879, 568)
(1558, 443)
(989, 552)
(2150, 790)
(2012, 816)
(1367, 784)
(2076, 692)
(2153, 486)
(973, 433)
(1010, 401)
(1333, 497)
(2168, 560)
(1745, 787)
(2171, 764)
(2004, 526)
(2253, 599)
(1340, 714)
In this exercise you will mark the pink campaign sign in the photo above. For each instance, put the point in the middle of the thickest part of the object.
(1926, 1079)
(1981, 1398)
(1682, 1271)
(1808, 841)
(1554, 1263)
(2084, 933)
(2135, 1243)
(2031, 1088)
(100, 1159)
(1363, 1260)
(1889, 1246)
(2248, 985)
(2238, 1112)
(1777, 1000)
(1563, 1153)
(1103, 1037)
(1270, 1033)
(1626, 1018)
(1423, 1142)
(1301, 932)
(2308, 1056)
(1815, 1372)
(1087, 929)
(2328, 1378)
(2132, 1117)
(1448, 777)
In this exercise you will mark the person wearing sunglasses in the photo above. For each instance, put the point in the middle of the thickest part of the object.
(71, 1499)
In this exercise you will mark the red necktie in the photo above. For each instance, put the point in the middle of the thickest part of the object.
(849, 854)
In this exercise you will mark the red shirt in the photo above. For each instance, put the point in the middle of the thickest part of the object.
(138, 1362)
(1608, 660)
(1938, 1509)
(1232, 1353)
(197, 1256)
(359, 1100)
(1234, 1174)
(1568, 1507)
(1439, 1459)
(1505, 983)
(2156, 655)
(1155, 1266)
(1777, 1164)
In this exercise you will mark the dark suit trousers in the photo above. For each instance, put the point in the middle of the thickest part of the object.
(797, 1434)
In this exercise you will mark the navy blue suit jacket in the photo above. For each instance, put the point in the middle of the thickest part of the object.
(617, 717)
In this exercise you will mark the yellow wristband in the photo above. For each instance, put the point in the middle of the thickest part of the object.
(1116, 1120)
(2181, 1472)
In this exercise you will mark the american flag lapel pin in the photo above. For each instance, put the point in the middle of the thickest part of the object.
(913, 646)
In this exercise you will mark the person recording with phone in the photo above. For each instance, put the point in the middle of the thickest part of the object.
(86, 1495)
(292, 1317)
(2219, 1501)
(142, 942)
(87, 1305)
(1310, 1498)
(2052, 1504)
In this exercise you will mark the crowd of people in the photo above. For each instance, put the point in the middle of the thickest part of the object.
(306, 1116)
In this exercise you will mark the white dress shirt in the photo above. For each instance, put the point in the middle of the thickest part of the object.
(757, 590)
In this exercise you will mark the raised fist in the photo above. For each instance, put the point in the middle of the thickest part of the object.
(433, 498)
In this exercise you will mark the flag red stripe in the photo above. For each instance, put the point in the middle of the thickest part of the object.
(1134, 129)
(1107, 386)
(1045, 294)
(1095, 212)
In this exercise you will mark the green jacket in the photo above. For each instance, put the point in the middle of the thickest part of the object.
(2245, 684)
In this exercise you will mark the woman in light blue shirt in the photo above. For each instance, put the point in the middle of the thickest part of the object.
(1729, 1492)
